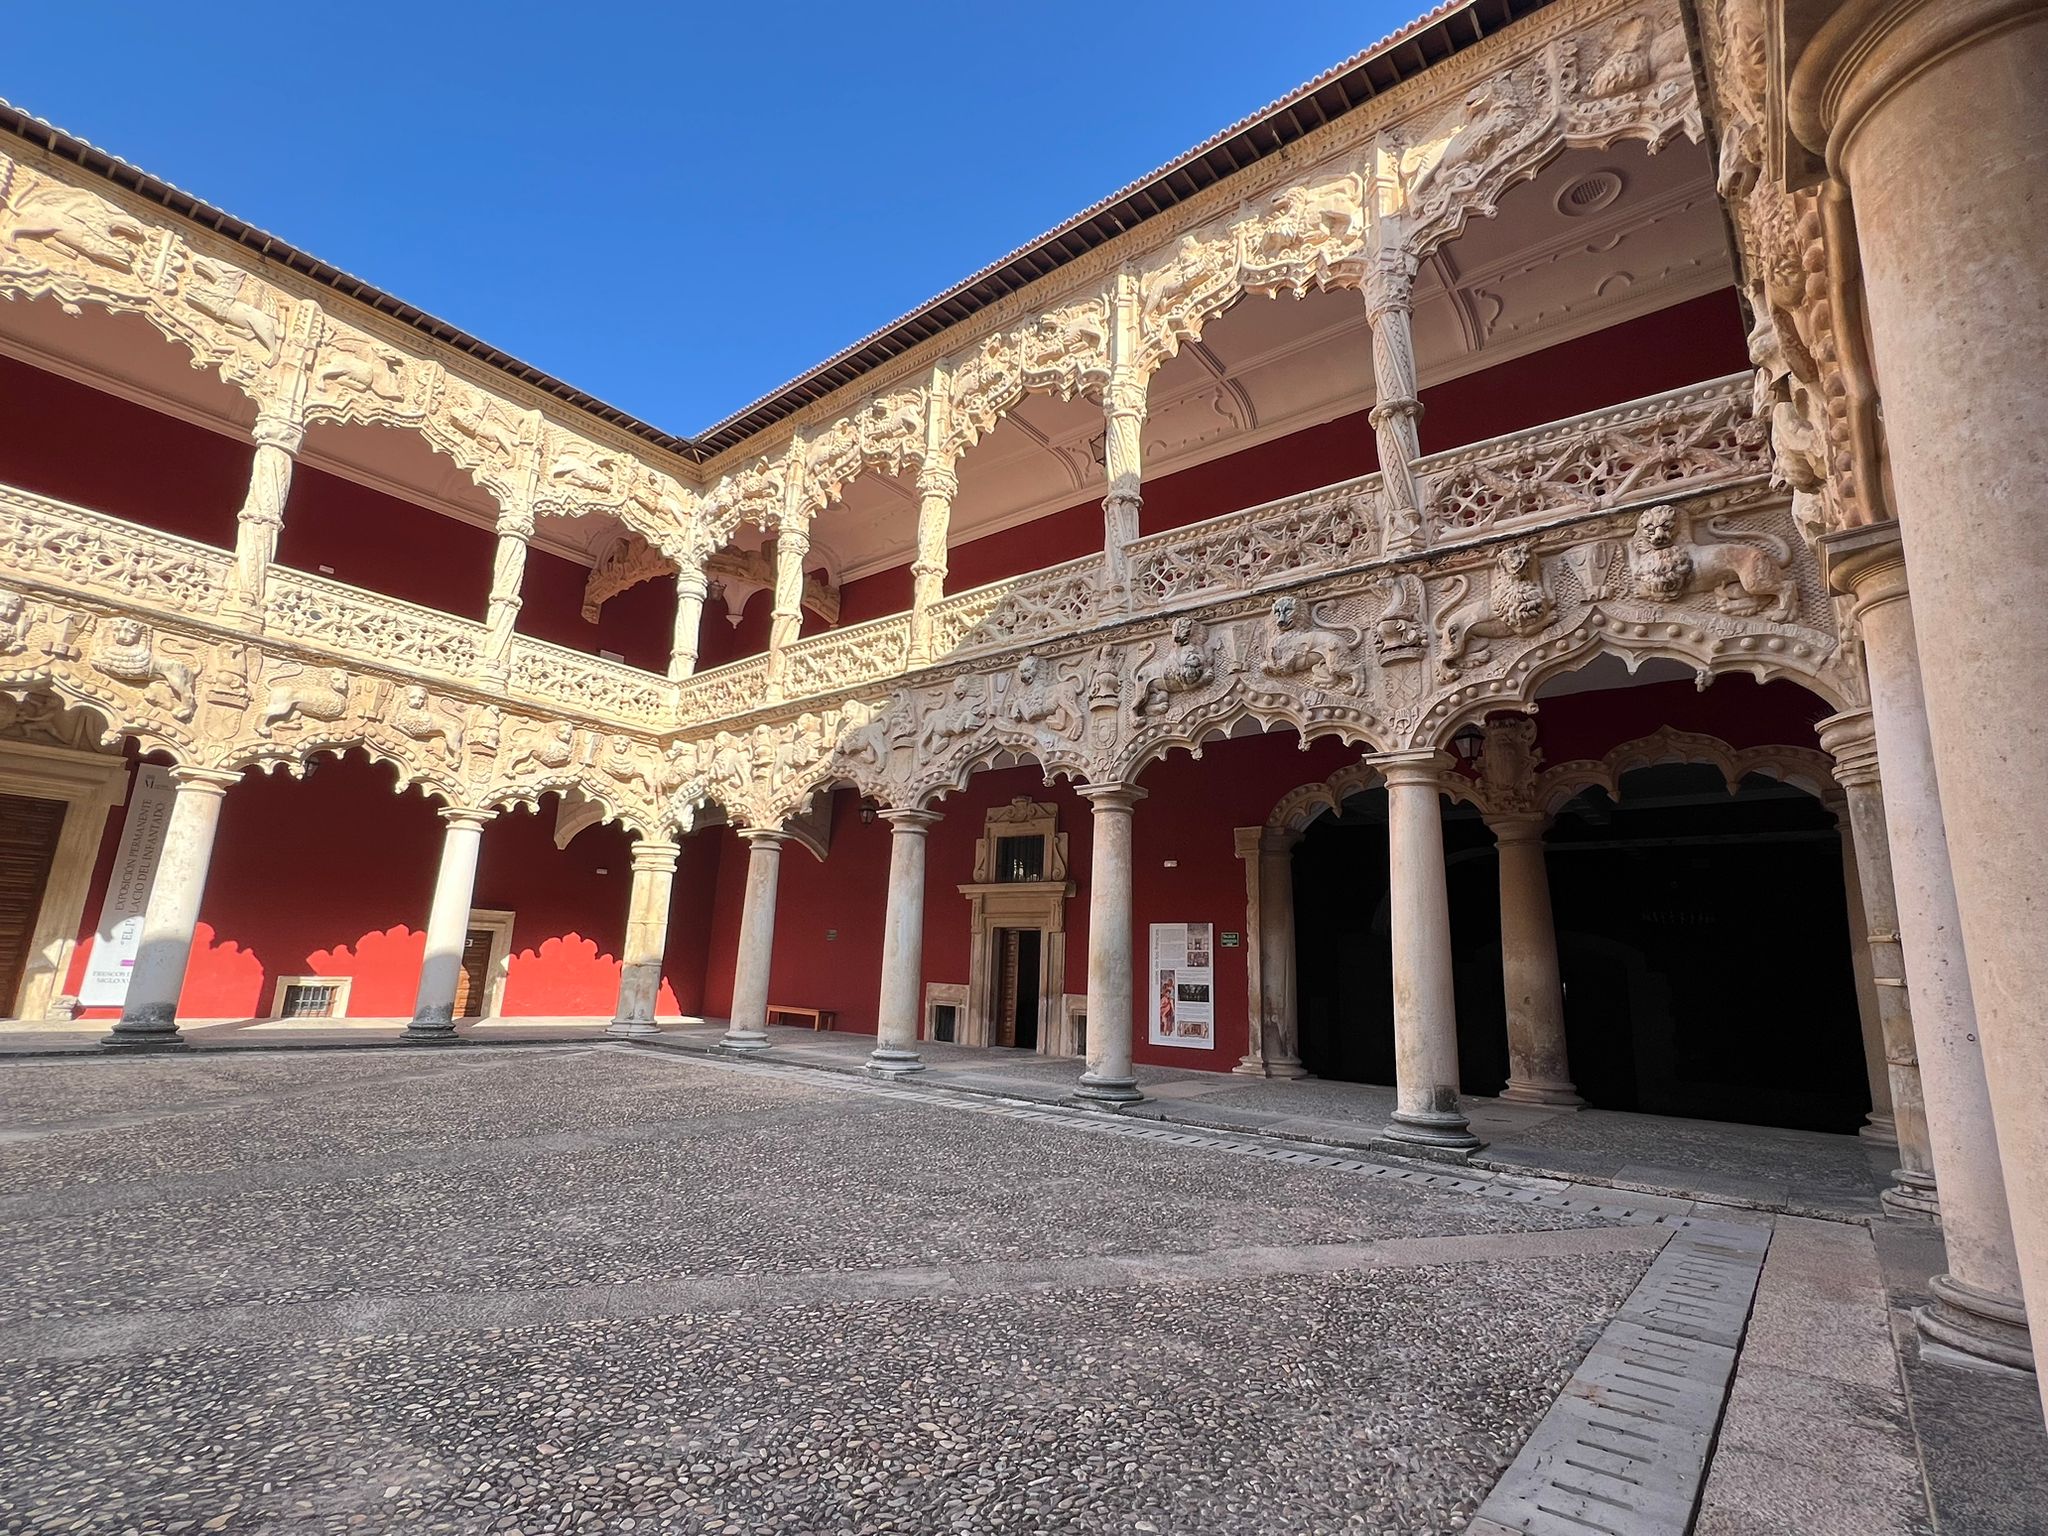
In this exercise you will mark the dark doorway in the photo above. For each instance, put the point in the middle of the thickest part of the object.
(1016, 1001)
(28, 843)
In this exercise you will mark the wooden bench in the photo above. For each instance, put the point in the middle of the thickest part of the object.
(820, 1018)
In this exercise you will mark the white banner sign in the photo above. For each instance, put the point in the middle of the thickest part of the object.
(1183, 985)
(120, 926)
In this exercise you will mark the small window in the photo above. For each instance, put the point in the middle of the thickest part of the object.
(309, 1000)
(1020, 858)
(944, 1019)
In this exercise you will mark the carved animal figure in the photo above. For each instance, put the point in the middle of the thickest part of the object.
(1190, 664)
(1397, 633)
(550, 752)
(1295, 648)
(1627, 66)
(216, 292)
(1665, 563)
(415, 717)
(14, 623)
(358, 366)
(78, 222)
(297, 694)
(1037, 700)
(1495, 116)
(128, 655)
(1306, 218)
(1516, 605)
(482, 425)
(961, 714)
(586, 474)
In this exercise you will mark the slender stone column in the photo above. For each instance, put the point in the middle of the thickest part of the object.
(1878, 1125)
(1124, 408)
(1848, 738)
(508, 576)
(1112, 979)
(433, 1010)
(901, 1007)
(1274, 1047)
(1539, 1065)
(786, 620)
(1425, 1003)
(1976, 1305)
(937, 485)
(1931, 112)
(149, 1013)
(747, 1029)
(278, 439)
(691, 588)
(654, 873)
(1390, 311)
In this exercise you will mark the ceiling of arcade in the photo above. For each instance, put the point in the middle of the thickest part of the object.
(1599, 236)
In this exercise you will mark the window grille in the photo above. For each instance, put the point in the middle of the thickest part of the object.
(309, 1000)
(1020, 858)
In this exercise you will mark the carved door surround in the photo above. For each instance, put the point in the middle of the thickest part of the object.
(89, 784)
(995, 904)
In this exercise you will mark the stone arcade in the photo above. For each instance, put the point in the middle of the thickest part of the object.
(1582, 456)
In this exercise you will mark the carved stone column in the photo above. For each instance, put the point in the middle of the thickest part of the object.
(937, 485)
(149, 1013)
(1425, 1003)
(691, 589)
(1390, 311)
(654, 873)
(1931, 112)
(900, 1010)
(1539, 1065)
(1124, 405)
(279, 436)
(1848, 738)
(786, 621)
(1273, 1049)
(1976, 1305)
(747, 1029)
(433, 1011)
(1111, 965)
(508, 575)
(1878, 1125)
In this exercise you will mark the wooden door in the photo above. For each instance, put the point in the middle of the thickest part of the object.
(28, 842)
(1009, 958)
(473, 986)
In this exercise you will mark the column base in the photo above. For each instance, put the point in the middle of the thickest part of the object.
(1911, 1195)
(1881, 1130)
(1284, 1066)
(1450, 1131)
(433, 1026)
(1977, 1323)
(740, 1043)
(1111, 1091)
(147, 1033)
(1548, 1095)
(632, 1027)
(893, 1061)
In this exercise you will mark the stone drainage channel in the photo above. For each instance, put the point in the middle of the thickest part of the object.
(1623, 1450)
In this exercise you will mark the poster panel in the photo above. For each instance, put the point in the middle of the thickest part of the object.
(119, 932)
(1182, 1001)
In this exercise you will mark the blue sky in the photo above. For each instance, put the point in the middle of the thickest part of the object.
(677, 208)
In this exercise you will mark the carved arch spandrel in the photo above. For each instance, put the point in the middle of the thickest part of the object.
(1805, 768)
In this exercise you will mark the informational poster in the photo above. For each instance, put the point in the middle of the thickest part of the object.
(1184, 985)
(120, 927)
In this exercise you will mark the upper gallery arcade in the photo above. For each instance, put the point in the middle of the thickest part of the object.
(1477, 453)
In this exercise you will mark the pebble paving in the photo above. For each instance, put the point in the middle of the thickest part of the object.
(146, 1207)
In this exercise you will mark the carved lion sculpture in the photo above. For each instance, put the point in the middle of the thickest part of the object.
(128, 655)
(1322, 655)
(297, 695)
(1746, 576)
(1188, 665)
(1518, 604)
(76, 221)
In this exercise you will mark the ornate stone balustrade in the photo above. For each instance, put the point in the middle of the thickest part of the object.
(372, 627)
(46, 540)
(874, 649)
(590, 684)
(1321, 530)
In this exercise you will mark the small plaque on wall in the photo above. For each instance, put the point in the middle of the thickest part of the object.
(1232, 940)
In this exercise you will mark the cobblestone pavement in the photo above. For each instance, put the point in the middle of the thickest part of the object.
(591, 1288)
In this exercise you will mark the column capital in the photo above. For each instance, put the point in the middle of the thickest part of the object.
(466, 815)
(909, 822)
(691, 580)
(280, 427)
(934, 479)
(1850, 738)
(1420, 766)
(206, 781)
(655, 855)
(1867, 564)
(770, 837)
(1245, 841)
(1110, 797)
(1518, 826)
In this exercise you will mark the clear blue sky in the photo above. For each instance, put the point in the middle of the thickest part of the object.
(676, 207)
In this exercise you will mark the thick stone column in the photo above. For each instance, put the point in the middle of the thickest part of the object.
(1848, 738)
(1932, 114)
(433, 1011)
(901, 1008)
(1878, 1125)
(508, 576)
(937, 485)
(1390, 311)
(1425, 1005)
(691, 588)
(149, 1013)
(1274, 1049)
(257, 525)
(1112, 978)
(654, 874)
(747, 1029)
(1976, 1305)
(1539, 1066)
(786, 619)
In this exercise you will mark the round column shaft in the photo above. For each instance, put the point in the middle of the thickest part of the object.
(900, 1010)
(1111, 980)
(149, 1013)
(1878, 1126)
(433, 1011)
(1539, 1064)
(654, 873)
(747, 1029)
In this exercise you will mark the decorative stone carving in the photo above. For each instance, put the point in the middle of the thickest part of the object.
(1746, 575)
(1297, 647)
(1188, 665)
(1517, 604)
(126, 651)
(296, 694)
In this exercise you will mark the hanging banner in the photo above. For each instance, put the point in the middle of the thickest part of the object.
(1183, 985)
(120, 927)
